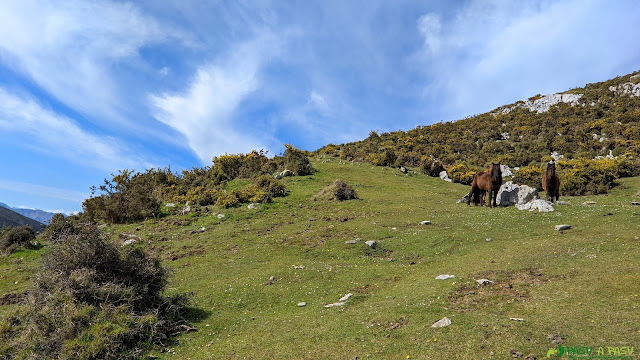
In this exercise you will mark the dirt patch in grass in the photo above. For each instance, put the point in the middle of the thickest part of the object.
(11, 298)
(508, 287)
(186, 251)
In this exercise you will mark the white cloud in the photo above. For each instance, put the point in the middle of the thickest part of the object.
(205, 112)
(429, 26)
(43, 191)
(61, 136)
(72, 49)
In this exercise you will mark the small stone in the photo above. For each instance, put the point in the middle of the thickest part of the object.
(220, 216)
(273, 278)
(589, 203)
(394, 228)
(372, 243)
(334, 304)
(482, 282)
(129, 242)
(351, 242)
(562, 227)
(445, 321)
(530, 357)
(301, 304)
(444, 277)
(170, 205)
(487, 239)
(426, 222)
(252, 206)
(345, 297)
(562, 202)
(516, 319)
(635, 203)
(298, 267)
(491, 353)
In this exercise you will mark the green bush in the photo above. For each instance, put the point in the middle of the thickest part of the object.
(12, 238)
(93, 299)
(431, 166)
(297, 161)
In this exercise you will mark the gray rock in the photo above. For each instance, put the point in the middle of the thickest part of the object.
(334, 304)
(482, 282)
(403, 169)
(537, 204)
(444, 176)
(351, 242)
(562, 203)
(186, 208)
(464, 199)
(345, 297)
(445, 321)
(220, 216)
(170, 205)
(514, 194)
(487, 239)
(129, 242)
(444, 277)
(277, 176)
(562, 227)
(287, 173)
(253, 205)
(635, 203)
(506, 171)
(372, 243)
(301, 304)
(426, 222)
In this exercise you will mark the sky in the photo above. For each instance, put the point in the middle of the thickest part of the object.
(88, 88)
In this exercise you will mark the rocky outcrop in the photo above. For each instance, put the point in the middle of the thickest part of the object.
(544, 103)
(628, 88)
(523, 197)
(444, 176)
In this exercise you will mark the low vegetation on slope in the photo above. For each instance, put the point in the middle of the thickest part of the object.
(603, 122)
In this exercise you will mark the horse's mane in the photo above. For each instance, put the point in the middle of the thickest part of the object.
(496, 172)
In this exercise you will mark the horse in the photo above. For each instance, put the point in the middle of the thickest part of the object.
(483, 182)
(551, 182)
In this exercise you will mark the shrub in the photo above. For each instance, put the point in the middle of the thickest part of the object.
(530, 175)
(12, 238)
(461, 173)
(339, 190)
(297, 161)
(227, 199)
(94, 300)
(431, 166)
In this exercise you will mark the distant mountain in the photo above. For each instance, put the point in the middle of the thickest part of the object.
(11, 218)
(35, 214)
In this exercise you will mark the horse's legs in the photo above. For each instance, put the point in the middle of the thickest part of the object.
(490, 197)
(557, 194)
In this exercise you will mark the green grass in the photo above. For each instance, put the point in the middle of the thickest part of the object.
(582, 284)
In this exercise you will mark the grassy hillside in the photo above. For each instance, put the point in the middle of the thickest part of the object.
(12, 218)
(580, 286)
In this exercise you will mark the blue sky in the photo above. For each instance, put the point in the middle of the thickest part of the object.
(91, 87)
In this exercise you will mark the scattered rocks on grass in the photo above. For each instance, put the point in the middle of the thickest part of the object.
(482, 282)
(129, 242)
(345, 297)
(372, 243)
(562, 227)
(444, 277)
(444, 322)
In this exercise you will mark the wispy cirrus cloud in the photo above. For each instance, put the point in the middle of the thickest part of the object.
(75, 50)
(60, 136)
(206, 112)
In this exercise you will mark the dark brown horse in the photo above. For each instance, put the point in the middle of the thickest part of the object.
(551, 182)
(483, 182)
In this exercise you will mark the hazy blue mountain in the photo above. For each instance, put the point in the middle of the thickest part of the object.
(9, 217)
(41, 216)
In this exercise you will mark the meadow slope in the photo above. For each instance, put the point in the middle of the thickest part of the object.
(580, 286)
